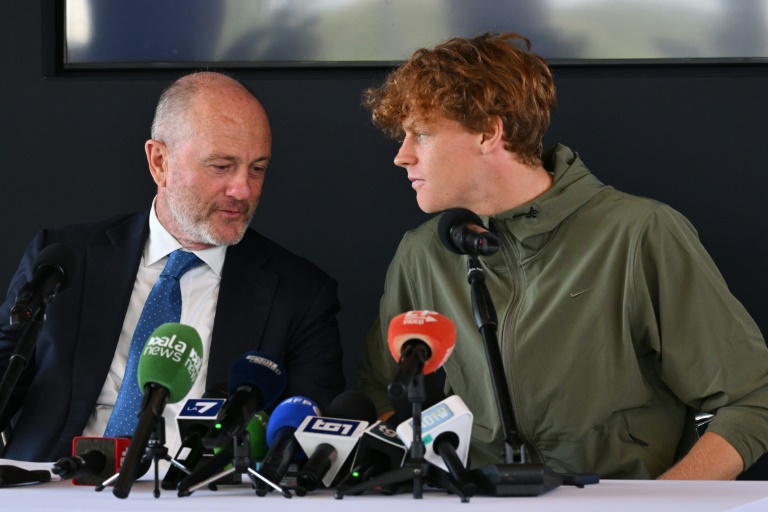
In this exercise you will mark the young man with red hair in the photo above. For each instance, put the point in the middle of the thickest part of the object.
(615, 326)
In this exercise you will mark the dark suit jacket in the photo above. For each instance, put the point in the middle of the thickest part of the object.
(270, 300)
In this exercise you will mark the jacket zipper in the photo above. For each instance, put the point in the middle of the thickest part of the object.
(507, 336)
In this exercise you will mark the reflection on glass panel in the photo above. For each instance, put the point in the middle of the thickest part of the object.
(300, 32)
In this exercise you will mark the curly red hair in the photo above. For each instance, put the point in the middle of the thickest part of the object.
(470, 81)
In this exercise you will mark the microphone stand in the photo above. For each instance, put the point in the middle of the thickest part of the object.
(154, 451)
(241, 463)
(21, 356)
(515, 477)
(416, 469)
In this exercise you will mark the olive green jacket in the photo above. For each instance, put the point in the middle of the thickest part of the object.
(614, 327)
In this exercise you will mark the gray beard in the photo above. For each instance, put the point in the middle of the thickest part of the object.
(196, 229)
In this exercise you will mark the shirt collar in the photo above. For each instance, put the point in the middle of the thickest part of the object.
(161, 243)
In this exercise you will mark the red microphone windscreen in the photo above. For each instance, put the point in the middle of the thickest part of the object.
(434, 329)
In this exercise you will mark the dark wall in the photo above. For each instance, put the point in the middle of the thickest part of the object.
(72, 150)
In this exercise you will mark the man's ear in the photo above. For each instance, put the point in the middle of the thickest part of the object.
(158, 159)
(492, 137)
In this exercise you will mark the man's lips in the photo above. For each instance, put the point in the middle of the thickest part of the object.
(231, 213)
(416, 182)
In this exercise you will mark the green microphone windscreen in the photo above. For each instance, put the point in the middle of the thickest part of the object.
(257, 428)
(172, 357)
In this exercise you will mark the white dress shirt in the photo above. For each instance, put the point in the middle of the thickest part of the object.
(199, 294)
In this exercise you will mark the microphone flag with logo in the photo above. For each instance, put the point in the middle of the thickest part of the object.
(196, 418)
(94, 460)
(446, 428)
(379, 450)
(329, 440)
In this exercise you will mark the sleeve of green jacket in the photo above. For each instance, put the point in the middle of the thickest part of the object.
(377, 365)
(705, 346)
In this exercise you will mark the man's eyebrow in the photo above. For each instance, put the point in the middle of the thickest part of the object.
(230, 158)
(262, 161)
(415, 124)
(220, 156)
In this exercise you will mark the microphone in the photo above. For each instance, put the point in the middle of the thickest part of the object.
(53, 270)
(194, 421)
(434, 392)
(283, 446)
(257, 432)
(255, 383)
(94, 460)
(12, 475)
(89, 463)
(353, 405)
(168, 367)
(461, 231)
(329, 440)
(215, 465)
(445, 430)
(421, 341)
(378, 451)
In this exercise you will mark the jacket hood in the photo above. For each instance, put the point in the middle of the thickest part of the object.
(572, 186)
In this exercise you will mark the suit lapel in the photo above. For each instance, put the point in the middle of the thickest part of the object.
(245, 298)
(110, 271)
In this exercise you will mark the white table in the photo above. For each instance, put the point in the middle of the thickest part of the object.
(608, 495)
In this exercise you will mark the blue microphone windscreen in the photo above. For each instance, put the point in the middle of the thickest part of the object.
(290, 413)
(260, 371)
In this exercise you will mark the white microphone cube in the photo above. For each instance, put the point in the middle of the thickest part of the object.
(342, 434)
(197, 411)
(449, 415)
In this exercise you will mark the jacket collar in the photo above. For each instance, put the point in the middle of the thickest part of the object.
(573, 185)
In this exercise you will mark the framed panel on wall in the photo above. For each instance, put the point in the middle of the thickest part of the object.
(150, 34)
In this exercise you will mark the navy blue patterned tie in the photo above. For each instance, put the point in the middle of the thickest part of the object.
(163, 305)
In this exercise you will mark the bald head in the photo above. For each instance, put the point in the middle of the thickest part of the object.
(207, 89)
(209, 152)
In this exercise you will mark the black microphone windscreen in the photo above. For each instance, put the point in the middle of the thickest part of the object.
(352, 405)
(61, 256)
(451, 218)
(217, 391)
(12, 475)
(86, 464)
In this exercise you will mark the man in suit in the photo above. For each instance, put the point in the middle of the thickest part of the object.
(210, 147)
